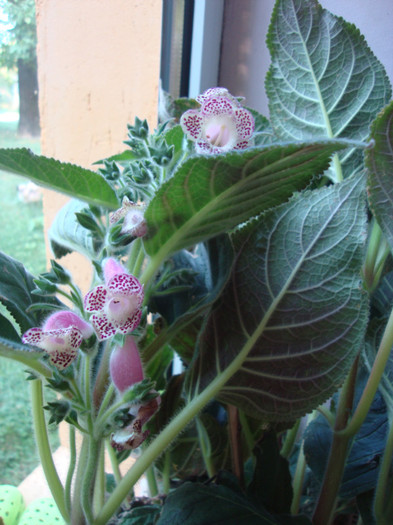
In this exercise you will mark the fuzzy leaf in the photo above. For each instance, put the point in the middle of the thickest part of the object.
(208, 196)
(293, 315)
(67, 235)
(379, 161)
(70, 179)
(323, 80)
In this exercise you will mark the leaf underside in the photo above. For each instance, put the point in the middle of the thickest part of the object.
(323, 79)
(379, 161)
(294, 306)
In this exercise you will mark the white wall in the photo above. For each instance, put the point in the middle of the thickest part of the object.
(245, 58)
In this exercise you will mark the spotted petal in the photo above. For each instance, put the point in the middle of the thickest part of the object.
(62, 359)
(245, 123)
(191, 122)
(125, 284)
(95, 300)
(33, 336)
(103, 327)
(131, 323)
(211, 93)
(218, 106)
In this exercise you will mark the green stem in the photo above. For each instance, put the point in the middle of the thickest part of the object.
(71, 468)
(89, 479)
(374, 379)
(77, 516)
(133, 257)
(289, 441)
(179, 422)
(151, 481)
(326, 503)
(383, 479)
(298, 481)
(99, 488)
(101, 389)
(166, 473)
(205, 446)
(372, 253)
(44, 450)
(114, 462)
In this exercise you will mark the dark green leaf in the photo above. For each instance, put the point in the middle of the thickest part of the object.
(208, 196)
(70, 179)
(198, 504)
(362, 466)
(323, 80)
(379, 161)
(144, 515)
(271, 485)
(293, 315)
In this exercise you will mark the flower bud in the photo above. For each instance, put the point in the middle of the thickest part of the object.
(125, 365)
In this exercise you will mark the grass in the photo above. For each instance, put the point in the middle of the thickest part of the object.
(22, 237)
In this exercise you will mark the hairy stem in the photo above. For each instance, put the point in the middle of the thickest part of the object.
(326, 503)
(44, 450)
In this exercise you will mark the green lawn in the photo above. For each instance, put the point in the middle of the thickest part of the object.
(21, 237)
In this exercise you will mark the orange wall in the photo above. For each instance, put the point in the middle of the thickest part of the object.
(98, 67)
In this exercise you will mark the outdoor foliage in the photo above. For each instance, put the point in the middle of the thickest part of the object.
(251, 261)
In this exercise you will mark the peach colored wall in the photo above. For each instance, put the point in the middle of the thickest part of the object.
(98, 67)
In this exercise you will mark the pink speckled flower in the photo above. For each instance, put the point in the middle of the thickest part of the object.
(134, 221)
(220, 125)
(60, 336)
(125, 365)
(117, 304)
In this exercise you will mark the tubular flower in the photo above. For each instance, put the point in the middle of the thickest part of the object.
(117, 304)
(220, 125)
(134, 221)
(125, 365)
(60, 336)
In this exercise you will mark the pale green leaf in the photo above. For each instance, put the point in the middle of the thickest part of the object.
(379, 161)
(70, 179)
(67, 235)
(293, 315)
(323, 80)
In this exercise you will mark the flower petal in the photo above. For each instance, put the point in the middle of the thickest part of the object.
(191, 122)
(103, 327)
(245, 123)
(66, 319)
(62, 359)
(95, 299)
(217, 106)
(131, 323)
(211, 93)
(33, 336)
(125, 284)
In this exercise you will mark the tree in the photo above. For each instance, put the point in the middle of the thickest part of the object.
(18, 39)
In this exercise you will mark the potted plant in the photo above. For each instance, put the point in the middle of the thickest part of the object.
(236, 337)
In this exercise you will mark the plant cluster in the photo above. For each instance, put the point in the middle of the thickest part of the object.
(236, 337)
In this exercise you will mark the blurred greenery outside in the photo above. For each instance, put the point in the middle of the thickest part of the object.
(22, 238)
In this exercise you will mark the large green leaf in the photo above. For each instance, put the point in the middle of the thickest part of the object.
(293, 315)
(379, 161)
(208, 504)
(66, 178)
(208, 196)
(323, 80)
